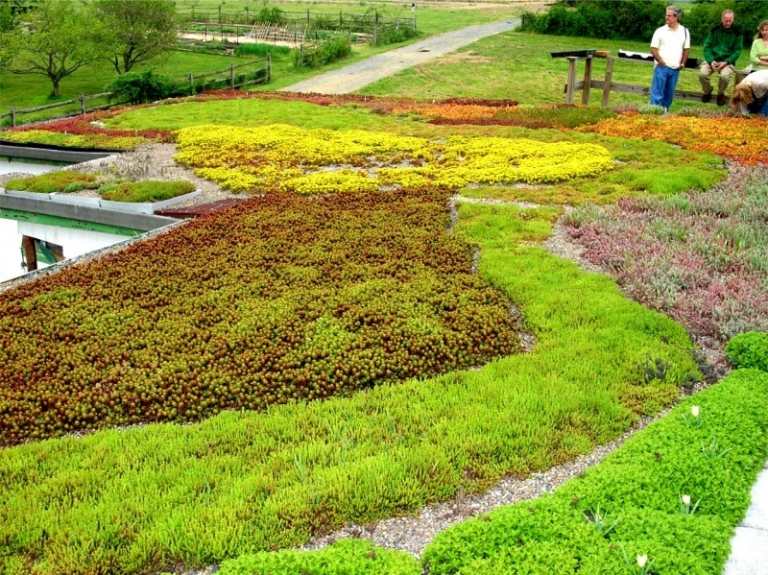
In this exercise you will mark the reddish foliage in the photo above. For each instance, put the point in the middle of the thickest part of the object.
(83, 124)
(276, 299)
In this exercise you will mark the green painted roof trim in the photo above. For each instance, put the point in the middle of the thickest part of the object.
(66, 222)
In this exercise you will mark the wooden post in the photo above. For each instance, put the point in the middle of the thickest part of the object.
(587, 81)
(30, 254)
(191, 79)
(232, 76)
(82, 103)
(569, 88)
(608, 80)
(13, 116)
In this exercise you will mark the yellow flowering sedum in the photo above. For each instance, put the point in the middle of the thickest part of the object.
(288, 158)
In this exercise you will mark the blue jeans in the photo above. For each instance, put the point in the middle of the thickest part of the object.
(663, 86)
(764, 109)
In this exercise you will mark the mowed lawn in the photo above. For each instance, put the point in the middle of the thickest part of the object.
(25, 91)
(518, 66)
(33, 90)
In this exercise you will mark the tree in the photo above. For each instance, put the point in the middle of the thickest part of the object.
(134, 31)
(10, 10)
(52, 40)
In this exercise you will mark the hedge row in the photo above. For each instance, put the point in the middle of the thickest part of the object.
(637, 19)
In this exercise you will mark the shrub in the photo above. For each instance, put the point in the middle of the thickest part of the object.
(631, 19)
(145, 191)
(62, 182)
(333, 48)
(259, 49)
(748, 350)
(270, 15)
(138, 88)
(345, 557)
(392, 34)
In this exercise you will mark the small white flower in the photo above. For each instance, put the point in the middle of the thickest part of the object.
(642, 560)
(695, 410)
(686, 499)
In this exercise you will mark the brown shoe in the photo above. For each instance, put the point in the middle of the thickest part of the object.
(721, 100)
(706, 98)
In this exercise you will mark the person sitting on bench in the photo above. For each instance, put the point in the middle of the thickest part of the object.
(722, 48)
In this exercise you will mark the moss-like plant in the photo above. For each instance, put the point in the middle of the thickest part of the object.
(65, 181)
(145, 191)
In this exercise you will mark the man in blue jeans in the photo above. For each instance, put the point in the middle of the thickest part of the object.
(669, 46)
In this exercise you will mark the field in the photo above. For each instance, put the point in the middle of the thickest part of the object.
(517, 66)
(418, 295)
(30, 90)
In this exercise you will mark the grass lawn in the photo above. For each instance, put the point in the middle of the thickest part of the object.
(25, 91)
(517, 66)
(431, 19)
(28, 91)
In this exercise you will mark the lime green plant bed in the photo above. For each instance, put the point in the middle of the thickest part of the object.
(145, 498)
(145, 191)
(54, 182)
(70, 181)
(81, 141)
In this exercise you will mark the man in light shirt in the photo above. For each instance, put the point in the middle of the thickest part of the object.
(669, 46)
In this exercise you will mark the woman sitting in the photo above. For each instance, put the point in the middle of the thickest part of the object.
(751, 94)
(758, 55)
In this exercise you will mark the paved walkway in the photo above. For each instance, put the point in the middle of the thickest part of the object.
(353, 77)
(749, 546)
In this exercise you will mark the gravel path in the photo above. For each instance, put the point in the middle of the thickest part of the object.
(355, 76)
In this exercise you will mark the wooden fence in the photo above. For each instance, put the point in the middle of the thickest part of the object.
(232, 77)
(294, 25)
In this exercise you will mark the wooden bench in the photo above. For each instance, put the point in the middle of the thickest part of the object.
(607, 85)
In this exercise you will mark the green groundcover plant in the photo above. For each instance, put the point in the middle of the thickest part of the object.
(665, 503)
(145, 191)
(54, 182)
(749, 350)
(145, 498)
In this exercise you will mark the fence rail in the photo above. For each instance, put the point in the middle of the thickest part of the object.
(232, 77)
(607, 85)
(366, 22)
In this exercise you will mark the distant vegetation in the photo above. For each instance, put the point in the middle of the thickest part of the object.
(637, 19)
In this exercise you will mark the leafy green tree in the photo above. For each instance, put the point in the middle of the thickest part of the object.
(131, 32)
(52, 40)
(10, 10)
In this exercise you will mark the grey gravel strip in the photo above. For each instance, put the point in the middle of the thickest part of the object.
(355, 76)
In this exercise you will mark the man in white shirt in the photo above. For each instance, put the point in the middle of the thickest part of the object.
(669, 46)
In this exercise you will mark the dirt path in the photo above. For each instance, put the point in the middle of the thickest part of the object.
(355, 76)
